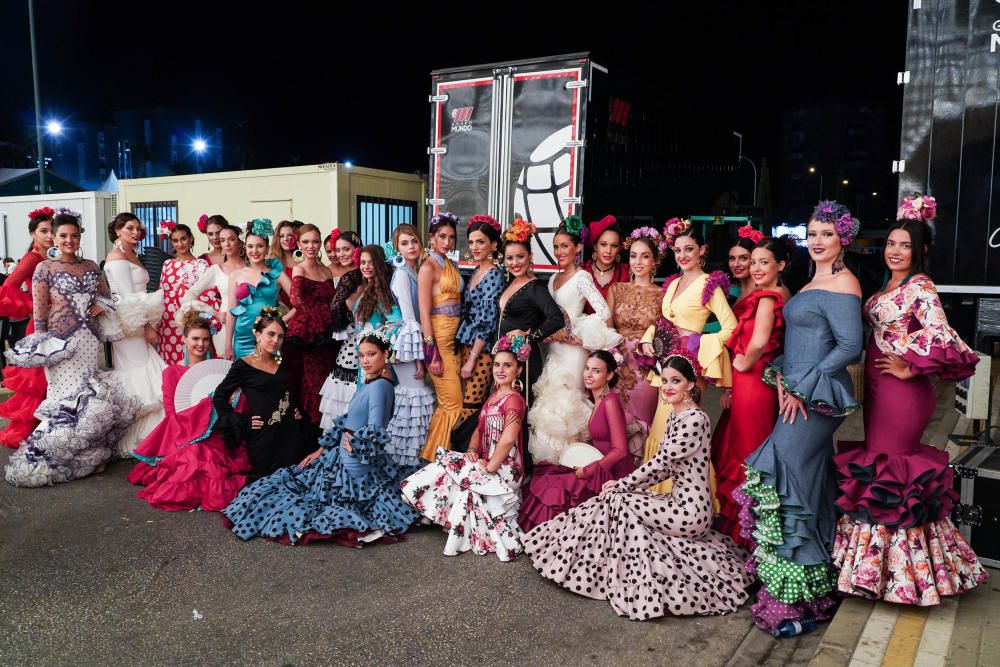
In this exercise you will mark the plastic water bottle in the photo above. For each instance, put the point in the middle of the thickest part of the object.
(795, 628)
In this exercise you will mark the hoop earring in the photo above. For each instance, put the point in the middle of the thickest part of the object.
(243, 251)
(701, 261)
(52, 252)
(118, 245)
(297, 255)
(517, 385)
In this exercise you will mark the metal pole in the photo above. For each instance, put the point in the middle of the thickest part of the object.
(754, 178)
(38, 111)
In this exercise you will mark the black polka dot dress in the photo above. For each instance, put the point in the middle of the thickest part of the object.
(649, 554)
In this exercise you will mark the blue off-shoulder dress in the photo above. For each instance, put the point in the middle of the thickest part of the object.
(352, 497)
(789, 493)
(250, 300)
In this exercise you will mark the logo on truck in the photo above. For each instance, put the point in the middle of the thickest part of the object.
(461, 119)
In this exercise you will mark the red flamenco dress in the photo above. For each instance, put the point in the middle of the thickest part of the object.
(895, 540)
(181, 463)
(751, 418)
(619, 274)
(309, 350)
(28, 384)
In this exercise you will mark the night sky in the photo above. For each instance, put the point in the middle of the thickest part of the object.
(322, 84)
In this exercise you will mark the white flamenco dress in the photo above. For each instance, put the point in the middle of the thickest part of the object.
(561, 410)
(137, 366)
(217, 280)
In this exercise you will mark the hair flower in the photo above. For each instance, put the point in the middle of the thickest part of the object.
(917, 207)
(166, 228)
(488, 219)
(202, 223)
(43, 212)
(520, 230)
(674, 228)
(262, 227)
(68, 211)
(835, 213)
(516, 345)
(574, 224)
(446, 217)
(651, 235)
(748, 232)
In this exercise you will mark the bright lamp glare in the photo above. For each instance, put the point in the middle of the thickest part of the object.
(54, 127)
(348, 164)
(199, 145)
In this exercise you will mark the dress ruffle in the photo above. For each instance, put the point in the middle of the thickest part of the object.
(267, 278)
(340, 491)
(205, 475)
(15, 303)
(29, 387)
(336, 396)
(555, 489)
(409, 342)
(952, 364)
(40, 350)
(825, 394)
(897, 490)
(915, 566)
(594, 334)
(133, 311)
(408, 427)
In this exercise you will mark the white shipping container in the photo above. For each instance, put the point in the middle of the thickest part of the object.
(98, 209)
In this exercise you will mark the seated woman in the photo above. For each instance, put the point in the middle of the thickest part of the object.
(348, 489)
(555, 488)
(271, 426)
(651, 554)
(182, 464)
(475, 495)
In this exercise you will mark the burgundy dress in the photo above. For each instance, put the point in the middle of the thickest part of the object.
(619, 274)
(896, 541)
(309, 348)
(555, 488)
(751, 418)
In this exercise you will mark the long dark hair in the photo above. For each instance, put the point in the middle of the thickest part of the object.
(921, 238)
(377, 294)
(609, 363)
(683, 366)
(778, 247)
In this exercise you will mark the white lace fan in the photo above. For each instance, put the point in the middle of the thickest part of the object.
(579, 455)
(199, 381)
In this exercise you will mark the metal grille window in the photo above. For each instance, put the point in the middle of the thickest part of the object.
(378, 217)
(151, 214)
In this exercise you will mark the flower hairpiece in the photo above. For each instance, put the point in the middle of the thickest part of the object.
(835, 213)
(674, 228)
(917, 207)
(267, 311)
(681, 352)
(748, 232)
(68, 211)
(653, 236)
(446, 216)
(44, 212)
(356, 256)
(262, 227)
(574, 225)
(488, 219)
(520, 230)
(202, 223)
(166, 228)
(516, 345)
(371, 332)
(204, 312)
(617, 356)
(392, 256)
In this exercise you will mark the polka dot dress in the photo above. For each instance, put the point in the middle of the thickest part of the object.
(478, 385)
(649, 554)
(176, 278)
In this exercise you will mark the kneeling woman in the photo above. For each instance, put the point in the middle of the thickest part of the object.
(555, 488)
(651, 554)
(182, 464)
(475, 496)
(348, 489)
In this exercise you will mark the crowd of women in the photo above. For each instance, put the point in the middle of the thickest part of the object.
(356, 398)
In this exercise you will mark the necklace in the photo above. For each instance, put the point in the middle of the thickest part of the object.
(594, 265)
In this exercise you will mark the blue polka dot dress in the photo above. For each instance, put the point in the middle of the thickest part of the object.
(352, 496)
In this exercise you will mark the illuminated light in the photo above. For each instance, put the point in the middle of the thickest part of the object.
(54, 127)
(845, 182)
(812, 170)
(199, 146)
(874, 194)
(348, 164)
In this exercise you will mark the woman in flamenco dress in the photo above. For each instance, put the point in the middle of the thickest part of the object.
(212, 288)
(604, 240)
(211, 226)
(753, 405)
(555, 488)
(85, 411)
(137, 365)
(475, 495)
(284, 244)
(182, 464)
(342, 382)
(28, 384)
(178, 275)
(895, 540)
(348, 489)
(789, 494)
(651, 554)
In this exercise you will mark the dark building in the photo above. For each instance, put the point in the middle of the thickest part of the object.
(841, 152)
(20, 182)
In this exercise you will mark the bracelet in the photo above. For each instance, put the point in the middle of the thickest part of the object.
(430, 341)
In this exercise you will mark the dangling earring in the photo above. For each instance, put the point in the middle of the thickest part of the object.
(631, 276)
(119, 245)
(593, 255)
(277, 357)
(243, 251)
(186, 362)
(34, 246)
(838, 264)
(779, 279)
(701, 261)
(517, 385)
(297, 255)
(256, 355)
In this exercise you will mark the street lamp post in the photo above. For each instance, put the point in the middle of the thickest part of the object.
(38, 110)
(812, 170)
(743, 157)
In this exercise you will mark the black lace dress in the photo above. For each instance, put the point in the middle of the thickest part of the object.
(531, 308)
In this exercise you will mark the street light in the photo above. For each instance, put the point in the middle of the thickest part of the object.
(813, 170)
(54, 128)
(199, 146)
(743, 157)
(845, 182)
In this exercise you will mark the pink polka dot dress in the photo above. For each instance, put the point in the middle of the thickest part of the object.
(649, 554)
(175, 280)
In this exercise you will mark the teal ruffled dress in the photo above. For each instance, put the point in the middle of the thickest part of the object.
(250, 300)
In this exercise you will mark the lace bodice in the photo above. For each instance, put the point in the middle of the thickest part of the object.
(576, 293)
(63, 292)
(636, 309)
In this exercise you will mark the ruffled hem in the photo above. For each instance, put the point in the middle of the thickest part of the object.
(594, 334)
(408, 427)
(915, 566)
(343, 334)
(15, 303)
(40, 350)
(335, 398)
(768, 613)
(134, 311)
(896, 490)
(76, 435)
(949, 363)
(206, 475)
(555, 489)
(824, 394)
(29, 387)
(409, 342)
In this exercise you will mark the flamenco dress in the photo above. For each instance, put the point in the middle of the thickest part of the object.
(182, 464)
(136, 363)
(788, 497)
(896, 541)
(308, 347)
(28, 384)
(351, 497)
(446, 313)
(753, 413)
(649, 554)
(414, 400)
(690, 310)
(175, 280)
(619, 274)
(555, 488)
(561, 410)
(212, 289)
(250, 301)
(342, 382)
(85, 411)
(477, 509)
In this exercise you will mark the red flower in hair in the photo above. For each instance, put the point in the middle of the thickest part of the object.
(203, 223)
(44, 212)
(748, 232)
(357, 257)
(334, 235)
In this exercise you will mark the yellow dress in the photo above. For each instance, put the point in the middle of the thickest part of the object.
(690, 310)
(448, 387)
